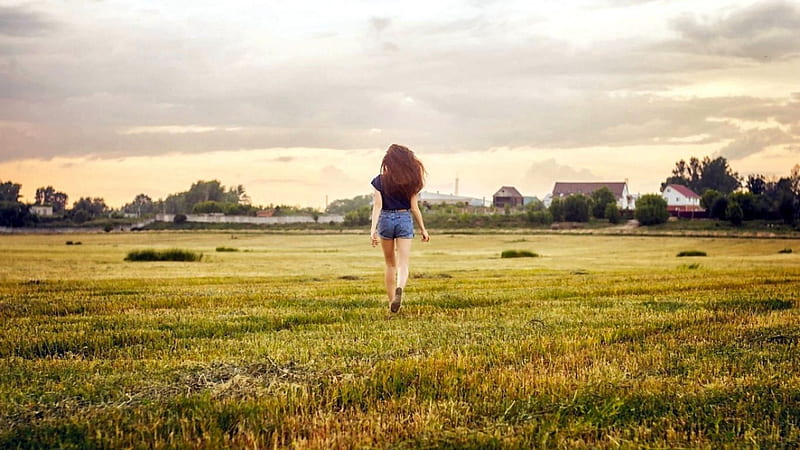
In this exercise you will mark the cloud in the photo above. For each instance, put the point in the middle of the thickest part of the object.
(477, 81)
(765, 30)
(542, 175)
(756, 141)
(20, 22)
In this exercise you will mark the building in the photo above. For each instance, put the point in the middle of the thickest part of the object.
(435, 198)
(681, 199)
(507, 196)
(620, 190)
(42, 210)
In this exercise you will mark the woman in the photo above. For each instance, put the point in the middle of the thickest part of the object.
(395, 201)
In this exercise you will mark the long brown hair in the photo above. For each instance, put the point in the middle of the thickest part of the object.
(402, 174)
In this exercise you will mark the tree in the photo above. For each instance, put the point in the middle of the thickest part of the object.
(708, 198)
(734, 213)
(576, 208)
(651, 209)
(706, 174)
(718, 175)
(208, 207)
(49, 196)
(557, 209)
(361, 216)
(785, 201)
(747, 202)
(346, 205)
(756, 184)
(15, 214)
(719, 207)
(9, 192)
(92, 207)
(612, 213)
(142, 204)
(686, 174)
(602, 198)
(204, 191)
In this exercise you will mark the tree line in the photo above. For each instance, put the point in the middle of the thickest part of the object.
(202, 197)
(727, 196)
(724, 194)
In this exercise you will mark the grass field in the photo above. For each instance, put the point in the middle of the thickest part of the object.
(600, 341)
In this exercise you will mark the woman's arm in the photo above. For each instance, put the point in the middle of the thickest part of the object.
(418, 217)
(377, 205)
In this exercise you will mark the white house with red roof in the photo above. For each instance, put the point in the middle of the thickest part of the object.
(681, 198)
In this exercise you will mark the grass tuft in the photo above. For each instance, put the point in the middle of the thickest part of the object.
(691, 253)
(173, 254)
(518, 254)
(785, 250)
(74, 242)
(227, 249)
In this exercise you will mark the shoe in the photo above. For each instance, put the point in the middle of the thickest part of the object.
(398, 297)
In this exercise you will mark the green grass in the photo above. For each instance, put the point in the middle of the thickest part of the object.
(518, 254)
(173, 254)
(691, 253)
(227, 249)
(603, 343)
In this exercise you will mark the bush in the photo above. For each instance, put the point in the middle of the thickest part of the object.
(163, 255)
(576, 208)
(361, 216)
(80, 216)
(15, 214)
(227, 249)
(612, 213)
(601, 199)
(691, 253)
(542, 217)
(179, 218)
(719, 208)
(651, 209)
(557, 209)
(734, 213)
(518, 254)
(208, 207)
(785, 250)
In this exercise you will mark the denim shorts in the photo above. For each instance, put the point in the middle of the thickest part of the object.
(395, 225)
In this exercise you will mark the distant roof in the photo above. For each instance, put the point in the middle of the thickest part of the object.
(435, 196)
(507, 191)
(684, 190)
(569, 188)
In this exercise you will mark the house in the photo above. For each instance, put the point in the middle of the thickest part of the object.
(436, 198)
(681, 199)
(507, 196)
(620, 190)
(42, 210)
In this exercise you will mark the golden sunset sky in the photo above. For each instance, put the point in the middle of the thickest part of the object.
(298, 100)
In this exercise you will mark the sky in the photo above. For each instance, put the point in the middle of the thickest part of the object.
(298, 100)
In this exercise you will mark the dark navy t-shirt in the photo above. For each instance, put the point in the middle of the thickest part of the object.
(390, 202)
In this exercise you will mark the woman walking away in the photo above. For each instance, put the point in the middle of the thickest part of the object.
(396, 189)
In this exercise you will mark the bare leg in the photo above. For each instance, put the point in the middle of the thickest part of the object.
(403, 256)
(390, 273)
